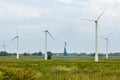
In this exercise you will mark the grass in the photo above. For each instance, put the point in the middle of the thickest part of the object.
(66, 68)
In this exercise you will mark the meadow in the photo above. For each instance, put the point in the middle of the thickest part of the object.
(59, 68)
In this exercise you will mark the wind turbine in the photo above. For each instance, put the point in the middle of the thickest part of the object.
(17, 38)
(96, 34)
(107, 40)
(47, 32)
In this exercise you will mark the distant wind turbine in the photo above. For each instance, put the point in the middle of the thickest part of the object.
(17, 38)
(96, 34)
(47, 32)
(107, 40)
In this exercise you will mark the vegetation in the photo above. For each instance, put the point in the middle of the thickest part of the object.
(4, 53)
(16, 74)
(59, 68)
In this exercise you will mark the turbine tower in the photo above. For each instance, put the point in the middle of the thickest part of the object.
(107, 40)
(106, 47)
(17, 38)
(65, 52)
(47, 32)
(96, 34)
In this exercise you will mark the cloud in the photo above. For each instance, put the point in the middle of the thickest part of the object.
(65, 1)
(12, 10)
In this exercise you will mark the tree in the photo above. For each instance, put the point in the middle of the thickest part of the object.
(25, 54)
(3, 53)
(39, 53)
(34, 54)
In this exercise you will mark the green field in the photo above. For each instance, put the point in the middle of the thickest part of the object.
(59, 68)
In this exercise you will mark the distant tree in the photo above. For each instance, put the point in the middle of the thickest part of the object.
(25, 54)
(92, 54)
(3, 53)
(39, 53)
(14, 53)
(82, 54)
(100, 54)
(34, 54)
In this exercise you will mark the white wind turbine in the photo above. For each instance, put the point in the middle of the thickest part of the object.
(107, 40)
(17, 38)
(96, 34)
(46, 31)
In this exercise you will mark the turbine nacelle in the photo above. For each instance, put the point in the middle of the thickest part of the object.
(105, 38)
(15, 38)
(46, 31)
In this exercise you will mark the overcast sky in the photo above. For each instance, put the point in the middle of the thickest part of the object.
(62, 19)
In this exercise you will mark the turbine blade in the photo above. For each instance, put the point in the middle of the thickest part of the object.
(13, 38)
(100, 15)
(87, 19)
(109, 35)
(16, 31)
(51, 35)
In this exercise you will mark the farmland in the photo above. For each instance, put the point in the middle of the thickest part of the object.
(59, 68)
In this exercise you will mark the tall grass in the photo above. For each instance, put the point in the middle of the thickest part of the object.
(65, 68)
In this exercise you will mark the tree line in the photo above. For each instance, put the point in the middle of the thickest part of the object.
(4, 53)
